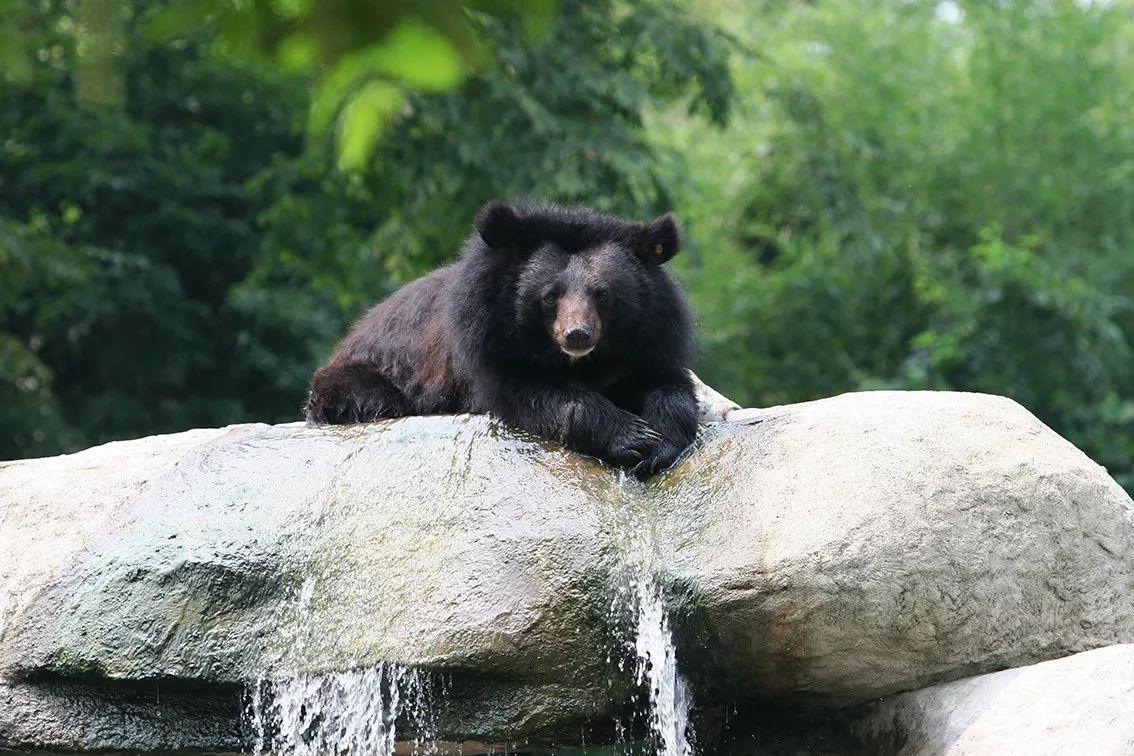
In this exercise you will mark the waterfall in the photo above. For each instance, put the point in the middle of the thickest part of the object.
(656, 669)
(640, 602)
(354, 712)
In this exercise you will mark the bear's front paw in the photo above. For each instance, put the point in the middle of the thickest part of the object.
(661, 458)
(634, 442)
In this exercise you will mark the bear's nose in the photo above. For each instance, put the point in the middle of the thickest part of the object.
(577, 337)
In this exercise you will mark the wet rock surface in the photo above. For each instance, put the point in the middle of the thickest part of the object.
(826, 553)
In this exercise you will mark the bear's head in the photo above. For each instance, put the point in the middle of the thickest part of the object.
(584, 283)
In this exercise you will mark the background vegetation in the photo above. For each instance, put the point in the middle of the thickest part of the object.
(195, 201)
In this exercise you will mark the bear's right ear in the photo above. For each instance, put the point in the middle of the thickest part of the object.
(661, 240)
(499, 226)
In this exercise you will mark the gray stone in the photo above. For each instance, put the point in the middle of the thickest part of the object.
(110, 718)
(853, 547)
(1078, 704)
(834, 551)
(224, 556)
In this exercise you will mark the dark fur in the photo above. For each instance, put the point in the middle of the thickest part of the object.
(477, 336)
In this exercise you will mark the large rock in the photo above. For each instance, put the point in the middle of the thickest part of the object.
(834, 551)
(224, 556)
(844, 549)
(1079, 704)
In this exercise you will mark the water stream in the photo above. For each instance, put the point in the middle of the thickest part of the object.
(354, 712)
(640, 600)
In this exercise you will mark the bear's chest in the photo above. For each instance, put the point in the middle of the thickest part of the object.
(599, 377)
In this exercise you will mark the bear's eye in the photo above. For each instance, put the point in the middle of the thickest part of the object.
(548, 297)
(600, 295)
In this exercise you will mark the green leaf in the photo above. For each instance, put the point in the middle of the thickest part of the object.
(362, 121)
(418, 56)
(297, 52)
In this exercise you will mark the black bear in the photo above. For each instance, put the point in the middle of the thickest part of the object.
(560, 321)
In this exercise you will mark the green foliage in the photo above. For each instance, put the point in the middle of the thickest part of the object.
(906, 194)
(30, 412)
(364, 57)
(187, 254)
(127, 228)
(552, 119)
(929, 196)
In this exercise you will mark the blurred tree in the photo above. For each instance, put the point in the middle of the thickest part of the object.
(910, 194)
(143, 217)
(30, 413)
(184, 255)
(928, 195)
(560, 118)
(363, 56)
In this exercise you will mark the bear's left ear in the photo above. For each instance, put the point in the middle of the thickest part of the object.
(661, 240)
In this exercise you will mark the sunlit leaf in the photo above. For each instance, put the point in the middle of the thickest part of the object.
(362, 121)
(418, 56)
(297, 52)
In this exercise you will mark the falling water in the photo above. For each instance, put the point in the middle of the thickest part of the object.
(640, 598)
(656, 669)
(356, 712)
